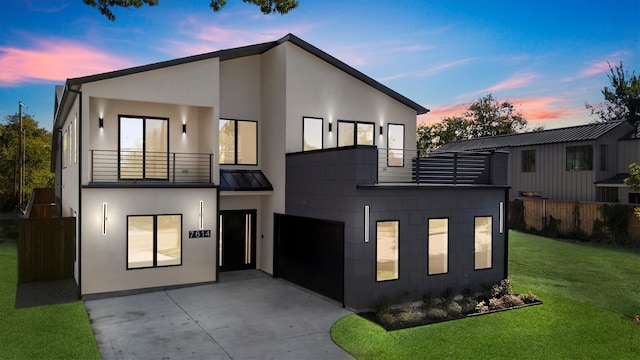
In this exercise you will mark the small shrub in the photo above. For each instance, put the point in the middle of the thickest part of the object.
(468, 292)
(502, 289)
(511, 300)
(382, 306)
(528, 297)
(495, 304)
(481, 307)
(437, 314)
(410, 314)
(447, 295)
(453, 309)
(387, 318)
(468, 307)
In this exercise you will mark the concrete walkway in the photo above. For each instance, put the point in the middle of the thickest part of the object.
(248, 315)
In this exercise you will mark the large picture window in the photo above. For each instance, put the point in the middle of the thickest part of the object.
(579, 158)
(144, 148)
(395, 144)
(352, 133)
(154, 241)
(529, 160)
(311, 133)
(483, 242)
(238, 142)
(387, 241)
(438, 246)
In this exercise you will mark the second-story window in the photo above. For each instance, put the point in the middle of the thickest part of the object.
(238, 142)
(529, 160)
(352, 133)
(579, 158)
(144, 148)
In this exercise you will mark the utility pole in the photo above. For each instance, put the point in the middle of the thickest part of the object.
(21, 156)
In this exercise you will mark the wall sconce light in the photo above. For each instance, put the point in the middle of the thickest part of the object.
(184, 128)
(104, 218)
(501, 217)
(381, 129)
(366, 223)
(201, 223)
(101, 122)
(330, 129)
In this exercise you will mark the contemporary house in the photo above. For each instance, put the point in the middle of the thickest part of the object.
(579, 163)
(277, 157)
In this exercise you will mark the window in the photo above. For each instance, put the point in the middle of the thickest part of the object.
(483, 242)
(604, 153)
(528, 160)
(579, 158)
(154, 241)
(238, 142)
(438, 246)
(387, 240)
(352, 133)
(634, 198)
(311, 133)
(65, 148)
(144, 148)
(395, 143)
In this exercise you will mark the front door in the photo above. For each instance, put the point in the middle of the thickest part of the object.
(237, 240)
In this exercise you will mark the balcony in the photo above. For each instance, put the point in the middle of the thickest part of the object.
(448, 168)
(127, 167)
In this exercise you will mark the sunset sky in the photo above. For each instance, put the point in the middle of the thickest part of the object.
(546, 57)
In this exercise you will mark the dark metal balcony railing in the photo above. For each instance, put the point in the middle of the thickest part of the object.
(416, 166)
(123, 166)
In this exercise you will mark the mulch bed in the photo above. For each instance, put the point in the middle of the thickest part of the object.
(46, 293)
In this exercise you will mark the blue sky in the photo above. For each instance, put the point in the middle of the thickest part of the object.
(546, 57)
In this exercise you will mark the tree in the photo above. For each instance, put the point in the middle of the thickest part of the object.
(37, 150)
(633, 181)
(485, 117)
(266, 6)
(622, 99)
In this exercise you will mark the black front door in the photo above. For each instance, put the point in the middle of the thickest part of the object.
(237, 240)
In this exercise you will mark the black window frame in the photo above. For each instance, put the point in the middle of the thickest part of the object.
(144, 147)
(304, 118)
(390, 150)
(528, 160)
(355, 132)
(397, 251)
(448, 246)
(155, 241)
(572, 155)
(235, 142)
(475, 266)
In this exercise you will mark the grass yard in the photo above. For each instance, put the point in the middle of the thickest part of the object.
(589, 296)
(45, 332)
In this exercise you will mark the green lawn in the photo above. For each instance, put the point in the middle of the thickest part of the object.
(44, 332)
(589, 297)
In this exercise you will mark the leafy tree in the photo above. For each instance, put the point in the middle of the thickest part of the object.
(266, 6)
(622, 98)
(633, 181)
(37, 148)
(485, 117)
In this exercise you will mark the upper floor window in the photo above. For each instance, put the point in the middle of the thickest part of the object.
(144, 148)
(312, 130)
(352, 133)
(238, 142)
(579, 158)
(395, 143)
(529, 160)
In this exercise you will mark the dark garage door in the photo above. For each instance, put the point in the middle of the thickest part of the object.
(310, 252)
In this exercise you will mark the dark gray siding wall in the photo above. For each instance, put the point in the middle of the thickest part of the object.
(324, 185)
(628, 152)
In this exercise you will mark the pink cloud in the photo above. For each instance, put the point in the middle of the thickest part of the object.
(427, 72)
(598, 67)
(54, 60)
(516, 81)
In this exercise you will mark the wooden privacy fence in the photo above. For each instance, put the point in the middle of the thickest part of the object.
(46, 249)
(573, 216)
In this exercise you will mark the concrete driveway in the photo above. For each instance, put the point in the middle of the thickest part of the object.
(248, 315)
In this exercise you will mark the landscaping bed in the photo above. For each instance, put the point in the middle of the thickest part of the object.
(499, 297)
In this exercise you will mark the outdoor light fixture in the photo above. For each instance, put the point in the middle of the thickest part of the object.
(330, 127)
(366, 223)
(501, 217)
(380, 129)
(184, 128)
(104, 218)
(101, 122)
(201, 224)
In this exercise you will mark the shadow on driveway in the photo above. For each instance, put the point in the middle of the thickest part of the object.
(243, 317)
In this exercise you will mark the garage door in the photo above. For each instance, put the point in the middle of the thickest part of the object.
(310, 252)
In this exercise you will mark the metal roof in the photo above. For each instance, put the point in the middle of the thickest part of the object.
(243, 180)
(568, 134)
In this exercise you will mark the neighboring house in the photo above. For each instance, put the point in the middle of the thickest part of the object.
(275, 156)
(579, 163)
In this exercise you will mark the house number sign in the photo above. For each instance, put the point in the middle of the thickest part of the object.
(199, 233)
